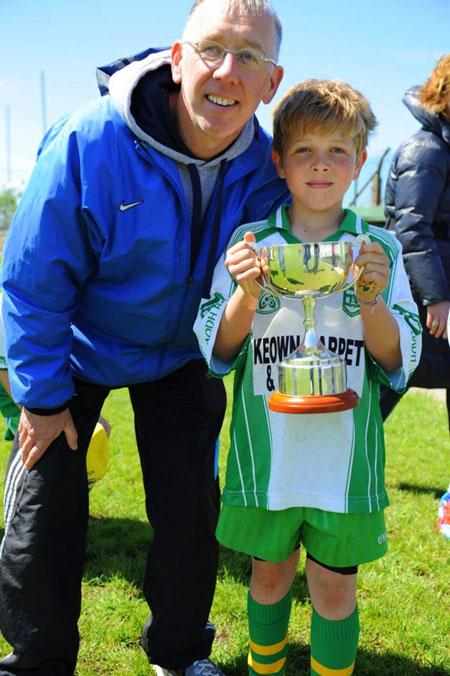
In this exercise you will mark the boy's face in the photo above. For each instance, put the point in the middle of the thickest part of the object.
(319, 169)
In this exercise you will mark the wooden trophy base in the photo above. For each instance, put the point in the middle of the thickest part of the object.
(288, 403)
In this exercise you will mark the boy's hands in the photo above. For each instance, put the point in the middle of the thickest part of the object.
(375, 276)
(380, 329)
(244, 266)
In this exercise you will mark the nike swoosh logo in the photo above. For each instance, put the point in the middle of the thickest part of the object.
(125, 207)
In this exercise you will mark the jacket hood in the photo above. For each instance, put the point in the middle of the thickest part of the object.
(139, 87)
(436, 124)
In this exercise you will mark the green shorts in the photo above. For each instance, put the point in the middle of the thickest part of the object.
(334, 539)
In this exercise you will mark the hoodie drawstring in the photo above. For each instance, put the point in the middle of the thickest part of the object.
(197, 223)
(196, 219)
(214, 241)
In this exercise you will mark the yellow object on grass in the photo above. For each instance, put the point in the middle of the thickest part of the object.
(97, 458)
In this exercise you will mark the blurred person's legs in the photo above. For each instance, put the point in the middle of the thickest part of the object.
(42, 556)
(432, 372)
(178, 420)
(447, 398)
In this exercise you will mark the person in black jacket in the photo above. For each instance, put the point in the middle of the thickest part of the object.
(417, 203)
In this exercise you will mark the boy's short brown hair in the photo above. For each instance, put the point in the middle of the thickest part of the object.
(432, 94)
(322, 106)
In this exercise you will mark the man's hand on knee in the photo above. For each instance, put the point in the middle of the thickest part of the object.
(36, 433)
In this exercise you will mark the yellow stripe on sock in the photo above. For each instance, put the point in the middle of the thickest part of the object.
(268, 649)
(273, 668)
(324, 671)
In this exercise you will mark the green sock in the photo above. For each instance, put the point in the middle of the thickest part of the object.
(334, 645)
(268, 629)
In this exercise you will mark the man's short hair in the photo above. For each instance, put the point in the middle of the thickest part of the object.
(322, 106)
(255, 7)
(433, 93)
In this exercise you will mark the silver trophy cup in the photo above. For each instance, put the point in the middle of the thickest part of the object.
(311, 379)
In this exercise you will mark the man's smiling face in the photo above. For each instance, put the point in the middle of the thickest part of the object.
(218, 98)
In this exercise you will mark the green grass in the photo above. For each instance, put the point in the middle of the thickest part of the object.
(404, 598)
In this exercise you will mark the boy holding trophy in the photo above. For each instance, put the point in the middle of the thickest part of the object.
(315, 479)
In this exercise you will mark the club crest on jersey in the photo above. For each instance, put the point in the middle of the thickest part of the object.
(350, 303)
(267, 304)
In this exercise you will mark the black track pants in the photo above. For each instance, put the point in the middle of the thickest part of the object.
(177, 421)
(41, 563)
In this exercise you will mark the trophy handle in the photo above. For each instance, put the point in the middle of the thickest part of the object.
(268, 289)
(261, 286)
(358, 241)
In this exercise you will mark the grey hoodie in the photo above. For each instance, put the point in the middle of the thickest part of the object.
(124, 88)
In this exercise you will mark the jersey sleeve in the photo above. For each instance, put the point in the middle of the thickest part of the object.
(398, 298)
(210, 314)
(208, 320)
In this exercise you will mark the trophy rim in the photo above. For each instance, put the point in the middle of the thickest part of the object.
(346, 243)
(271, 253)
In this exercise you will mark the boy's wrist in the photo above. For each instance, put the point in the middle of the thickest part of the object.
(248, 298)
(250, 302)
(371, 303)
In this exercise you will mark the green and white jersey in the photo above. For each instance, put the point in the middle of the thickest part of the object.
(3, 364)
(332, 461)
(8, 408)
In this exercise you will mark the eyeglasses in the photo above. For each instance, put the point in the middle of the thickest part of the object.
(248, 57)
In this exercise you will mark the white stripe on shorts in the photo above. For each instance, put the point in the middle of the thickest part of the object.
(13, 477)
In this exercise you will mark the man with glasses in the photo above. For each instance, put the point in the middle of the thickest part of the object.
(247, 57)
(129, 207)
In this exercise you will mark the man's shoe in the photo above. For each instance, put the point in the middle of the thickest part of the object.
(203, 668)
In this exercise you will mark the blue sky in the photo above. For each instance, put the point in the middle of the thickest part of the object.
(381, 47)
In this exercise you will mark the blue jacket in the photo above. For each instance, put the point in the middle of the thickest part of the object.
(97, 275)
